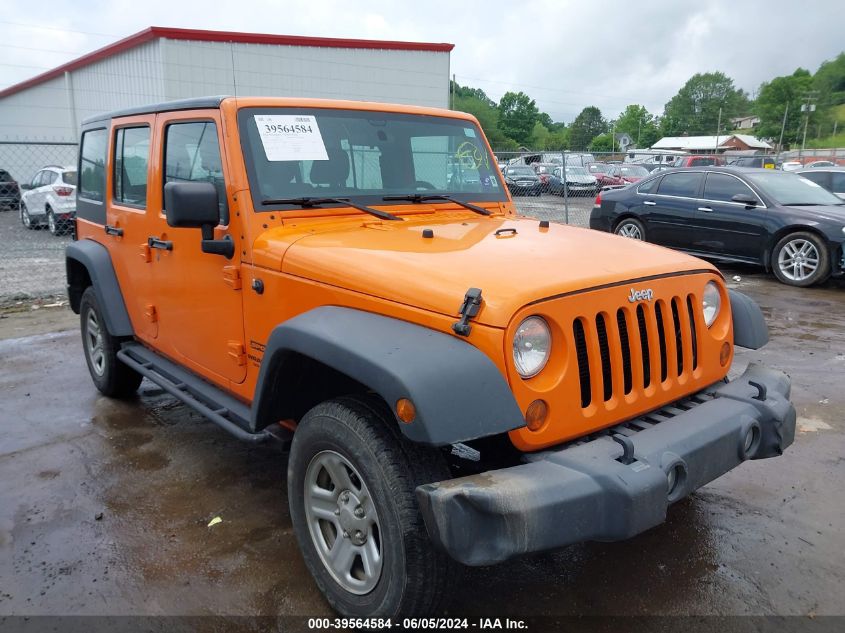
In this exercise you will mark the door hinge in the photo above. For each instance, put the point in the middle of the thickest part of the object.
(469, 308)
(151, 313)
(232, 276)
(237, 352)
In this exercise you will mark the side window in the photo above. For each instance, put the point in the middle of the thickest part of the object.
(49, 177)
(192, 154)
(648, 186)
(818, 177)
(838, 184)
(722, 188)
(92, 164)
(36, 179)
(684, 184)
(131, 157)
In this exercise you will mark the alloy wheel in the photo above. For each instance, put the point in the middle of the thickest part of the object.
(94, 343)
(629, 229)
(798, 259)
(343, 522)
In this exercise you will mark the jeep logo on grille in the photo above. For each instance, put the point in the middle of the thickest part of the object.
(640, 295)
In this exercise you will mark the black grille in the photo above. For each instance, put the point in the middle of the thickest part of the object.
(644, 346)
(622, 323)
(660, 336)
(604, 351)
(583, 362)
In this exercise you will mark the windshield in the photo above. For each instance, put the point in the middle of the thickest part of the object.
(791, 189)
(599, 168)
(519, 171)
(576, 171)
(640, 172)
(363, 155)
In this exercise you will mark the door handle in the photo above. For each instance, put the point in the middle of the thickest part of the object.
(113, 230)
(649, 203)
(154, 242)
(705, 209)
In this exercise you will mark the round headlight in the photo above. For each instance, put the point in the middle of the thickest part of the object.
(531, 346)
(711, 302)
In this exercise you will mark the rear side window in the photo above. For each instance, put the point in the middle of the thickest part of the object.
(192, 154)
(92, 163)
(838, 183)
(49, 178)
(722, 188)
(819, 177)
(648, 186)
(131, 158)
(685, 184)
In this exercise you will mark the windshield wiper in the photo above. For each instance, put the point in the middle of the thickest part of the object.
(313, 201)
(419, 198)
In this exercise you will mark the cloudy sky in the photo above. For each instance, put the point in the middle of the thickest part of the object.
(565, 54)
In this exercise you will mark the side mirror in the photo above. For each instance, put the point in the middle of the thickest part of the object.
(25, 186)
(195, 205)
(744, 198)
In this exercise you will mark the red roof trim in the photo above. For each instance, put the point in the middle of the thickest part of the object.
(197, 35)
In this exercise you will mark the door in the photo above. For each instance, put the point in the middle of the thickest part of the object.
(198, 295)
(671, 209)
(728, 228)
(34, 198)
(129, 217)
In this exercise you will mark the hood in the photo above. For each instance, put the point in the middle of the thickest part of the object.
(581, 179)
(393, 261)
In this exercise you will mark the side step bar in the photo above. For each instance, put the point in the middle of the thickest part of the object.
(204, 398)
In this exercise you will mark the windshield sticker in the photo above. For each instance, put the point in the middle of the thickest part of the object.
(469, 132)
(290, 137)
(470, 156)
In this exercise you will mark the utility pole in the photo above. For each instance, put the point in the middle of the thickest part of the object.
(718, 129)
(452, 94)
(808, 107)
(782, 128)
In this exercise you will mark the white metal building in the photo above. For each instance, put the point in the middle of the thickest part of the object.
(39, 117)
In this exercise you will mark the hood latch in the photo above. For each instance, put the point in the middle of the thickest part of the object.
(469, 308)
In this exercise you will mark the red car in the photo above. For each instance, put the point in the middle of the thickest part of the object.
(603, 173)
(628, 173)
(698, 160)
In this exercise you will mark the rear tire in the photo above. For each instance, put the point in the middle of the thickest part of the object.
(111, 377)
(52, 223)
(630, 227)
(347, 456)
(801, 259)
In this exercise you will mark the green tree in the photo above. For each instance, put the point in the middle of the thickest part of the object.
(517, 115)
(695, 109)
(639, 124)
(586, 126)
(782, 95)
(602, 143)
(558, 139)
(829, 80)
(539, 136)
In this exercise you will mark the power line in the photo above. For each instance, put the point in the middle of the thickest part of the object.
(53, 28)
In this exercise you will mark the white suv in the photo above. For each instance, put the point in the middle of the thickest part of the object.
(50, 199)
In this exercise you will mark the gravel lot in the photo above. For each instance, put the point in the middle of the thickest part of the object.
(32, 262)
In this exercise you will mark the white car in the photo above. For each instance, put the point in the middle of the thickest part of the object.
(50, 199)
(792, 165)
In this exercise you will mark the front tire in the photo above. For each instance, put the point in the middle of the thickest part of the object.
(111, 377)
(26, 219)
(801, 259)
(630, 227)
(351, 482)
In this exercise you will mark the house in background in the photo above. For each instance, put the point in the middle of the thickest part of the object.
(713, 144)
(745, 122)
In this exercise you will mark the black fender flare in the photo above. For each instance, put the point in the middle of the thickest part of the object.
(750, 329)
(97, 261)
(458, 392)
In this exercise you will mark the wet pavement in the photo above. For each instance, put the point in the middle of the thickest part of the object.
(104, 505)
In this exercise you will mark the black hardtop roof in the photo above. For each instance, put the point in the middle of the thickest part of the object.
(195, 103)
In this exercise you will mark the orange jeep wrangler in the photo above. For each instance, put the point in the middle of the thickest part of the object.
(455, 384)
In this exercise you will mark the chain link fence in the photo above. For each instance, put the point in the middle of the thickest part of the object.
(37, 209)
